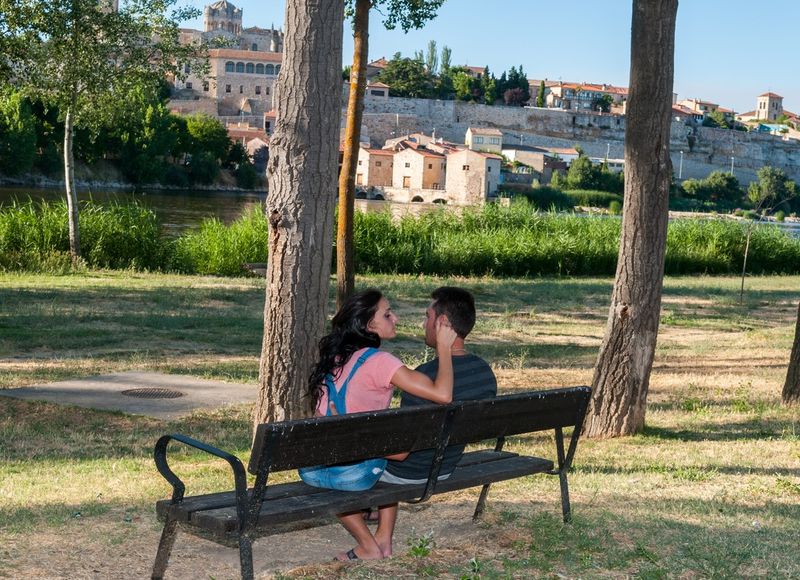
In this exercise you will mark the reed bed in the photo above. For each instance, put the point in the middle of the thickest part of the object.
(518, 240)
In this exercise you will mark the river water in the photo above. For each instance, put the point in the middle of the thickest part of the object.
(183, 210)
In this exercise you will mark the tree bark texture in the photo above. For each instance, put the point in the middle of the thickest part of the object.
(791, 388)
(345, 263)
(622, 372)
(72, 195)
(301, 174)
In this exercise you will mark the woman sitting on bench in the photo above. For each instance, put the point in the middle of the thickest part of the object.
(353, 376)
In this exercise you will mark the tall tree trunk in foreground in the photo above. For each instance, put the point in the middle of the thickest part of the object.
(622, 373)
(72, 195)
(791, 389)
(345, 267)
(302, 183)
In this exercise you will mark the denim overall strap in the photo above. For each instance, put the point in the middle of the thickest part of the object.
(337, 397)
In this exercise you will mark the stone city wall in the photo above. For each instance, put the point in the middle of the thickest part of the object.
(600, 135)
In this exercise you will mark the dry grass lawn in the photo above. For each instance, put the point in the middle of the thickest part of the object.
(710, 489)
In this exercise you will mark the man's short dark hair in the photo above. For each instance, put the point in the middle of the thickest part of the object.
(459, 307)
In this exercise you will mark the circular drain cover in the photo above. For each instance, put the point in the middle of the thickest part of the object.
(152, 393)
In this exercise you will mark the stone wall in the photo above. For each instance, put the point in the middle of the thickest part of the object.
(600, 135)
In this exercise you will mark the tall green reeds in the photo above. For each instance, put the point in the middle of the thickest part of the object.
(516, 240)
(222, 250)
(34, 236)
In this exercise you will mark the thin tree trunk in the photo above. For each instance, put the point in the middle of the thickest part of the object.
(302, 183)
(791, 388)
(622, 373)
(72, 196)
(345, 267)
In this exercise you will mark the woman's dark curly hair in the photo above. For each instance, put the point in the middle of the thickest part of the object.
(348, 334)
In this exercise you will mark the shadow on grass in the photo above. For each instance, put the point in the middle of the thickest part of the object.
(747, 430)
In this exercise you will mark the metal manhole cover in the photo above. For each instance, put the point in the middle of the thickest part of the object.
(153, 393)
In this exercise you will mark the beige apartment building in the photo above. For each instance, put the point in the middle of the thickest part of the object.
(418, 169)
(374, 167)
(472, 176)
(490, 140)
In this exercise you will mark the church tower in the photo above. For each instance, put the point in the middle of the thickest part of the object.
(222, 15)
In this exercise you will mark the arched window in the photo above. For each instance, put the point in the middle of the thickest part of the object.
(229, 66)
(416, 199)
(440, 201)
(378, 197)
(240, 67)
(270, 69)
(277, 68)
(259, 69)
(250, 68)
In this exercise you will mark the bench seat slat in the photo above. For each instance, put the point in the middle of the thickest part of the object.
(223, 521)
(197, 503)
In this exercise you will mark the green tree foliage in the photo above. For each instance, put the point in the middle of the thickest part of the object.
(207, 135)
(540, 94)
(432, 58)
(716, 119)
(17, 134)
(719, 188)
(407, 77)
(83, 58)
(603, 103)
(773, 189)
(447, 55)
(583, 174)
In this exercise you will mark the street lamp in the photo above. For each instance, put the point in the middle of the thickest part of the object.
(732, 165)
(608, 150)
(680, 167)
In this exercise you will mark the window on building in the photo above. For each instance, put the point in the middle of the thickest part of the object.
(408, 165)
(254, 46)
(494, 140)
(205, 86)
(407, 183)
(465, 167)
(477, 140)
(377, 92)
(488, 169)
(277, 68)
(229, 66)
(266, 90)
(239, 67)
(430, 165)
(241, 89)
(269, 69)
(186, 68)
(227, 88)
(377, 164)
(359, 162)
(250, 68)
(258, 90)
(436, 186)
(259, 69)
(189, 86)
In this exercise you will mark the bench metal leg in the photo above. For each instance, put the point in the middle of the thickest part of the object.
(562, 476)
(246, 557)
(481, 502)
(165, 547)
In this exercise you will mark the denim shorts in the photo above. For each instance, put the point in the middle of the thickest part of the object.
(351, 477)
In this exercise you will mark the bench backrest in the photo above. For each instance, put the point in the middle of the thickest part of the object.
(339, 439)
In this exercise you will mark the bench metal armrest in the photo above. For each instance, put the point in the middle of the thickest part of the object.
(178, 487)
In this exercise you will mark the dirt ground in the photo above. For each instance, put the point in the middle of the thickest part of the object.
(123, 550)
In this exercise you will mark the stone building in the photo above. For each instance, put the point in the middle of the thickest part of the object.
(418, 168)
(472, 176)
(243, 74)
(484, 139)
(375, 167)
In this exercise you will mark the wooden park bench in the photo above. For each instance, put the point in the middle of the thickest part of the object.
(237, 517)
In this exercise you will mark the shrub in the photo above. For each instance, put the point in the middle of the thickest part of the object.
(592, 197)
(615, 208)
(542, 198)
(780, 216)
(222, 250)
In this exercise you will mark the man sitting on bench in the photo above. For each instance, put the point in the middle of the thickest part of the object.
(473, 379)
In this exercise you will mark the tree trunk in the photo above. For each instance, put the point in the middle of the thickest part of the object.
(72, 195)
(622, 373)
(345, 267)
(302, 183)
(791, 389)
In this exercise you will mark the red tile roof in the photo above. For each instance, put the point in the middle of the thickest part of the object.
(771, 95)
(245, 54)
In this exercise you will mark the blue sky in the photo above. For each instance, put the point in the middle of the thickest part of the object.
(726, 51)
